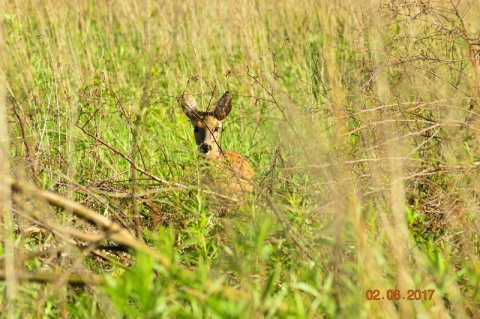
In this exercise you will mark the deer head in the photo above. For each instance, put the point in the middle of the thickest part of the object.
(207, 125)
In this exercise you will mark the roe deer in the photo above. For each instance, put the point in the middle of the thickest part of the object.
(207, 127)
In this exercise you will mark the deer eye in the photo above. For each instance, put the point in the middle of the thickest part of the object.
(216, 128)
(196, 129)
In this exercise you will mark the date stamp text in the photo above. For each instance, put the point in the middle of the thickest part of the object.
(396, 294)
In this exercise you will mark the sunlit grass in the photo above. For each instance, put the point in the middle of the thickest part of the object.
(359, 121)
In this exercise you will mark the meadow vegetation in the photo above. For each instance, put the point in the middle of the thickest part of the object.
(360, 120)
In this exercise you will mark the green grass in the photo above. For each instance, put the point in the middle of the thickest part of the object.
(359, 121)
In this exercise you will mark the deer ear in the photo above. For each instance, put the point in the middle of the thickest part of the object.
(189, 106)
(224, 106)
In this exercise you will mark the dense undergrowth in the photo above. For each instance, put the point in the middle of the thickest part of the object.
(360, 121)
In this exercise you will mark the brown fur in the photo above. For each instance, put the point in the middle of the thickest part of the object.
(238, 174)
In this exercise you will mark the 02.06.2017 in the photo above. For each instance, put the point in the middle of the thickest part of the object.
(395, 294)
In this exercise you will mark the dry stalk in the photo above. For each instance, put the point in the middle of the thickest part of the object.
(111, 229)
(72, 279)
(144, 172)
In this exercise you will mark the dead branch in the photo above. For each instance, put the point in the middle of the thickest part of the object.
(113, 230)
(73, 279)
(144, 172)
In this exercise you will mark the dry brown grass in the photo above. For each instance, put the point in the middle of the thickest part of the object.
(360, 121)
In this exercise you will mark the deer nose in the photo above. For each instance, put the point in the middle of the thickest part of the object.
(205, 148)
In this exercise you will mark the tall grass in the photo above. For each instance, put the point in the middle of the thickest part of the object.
(360, 121)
